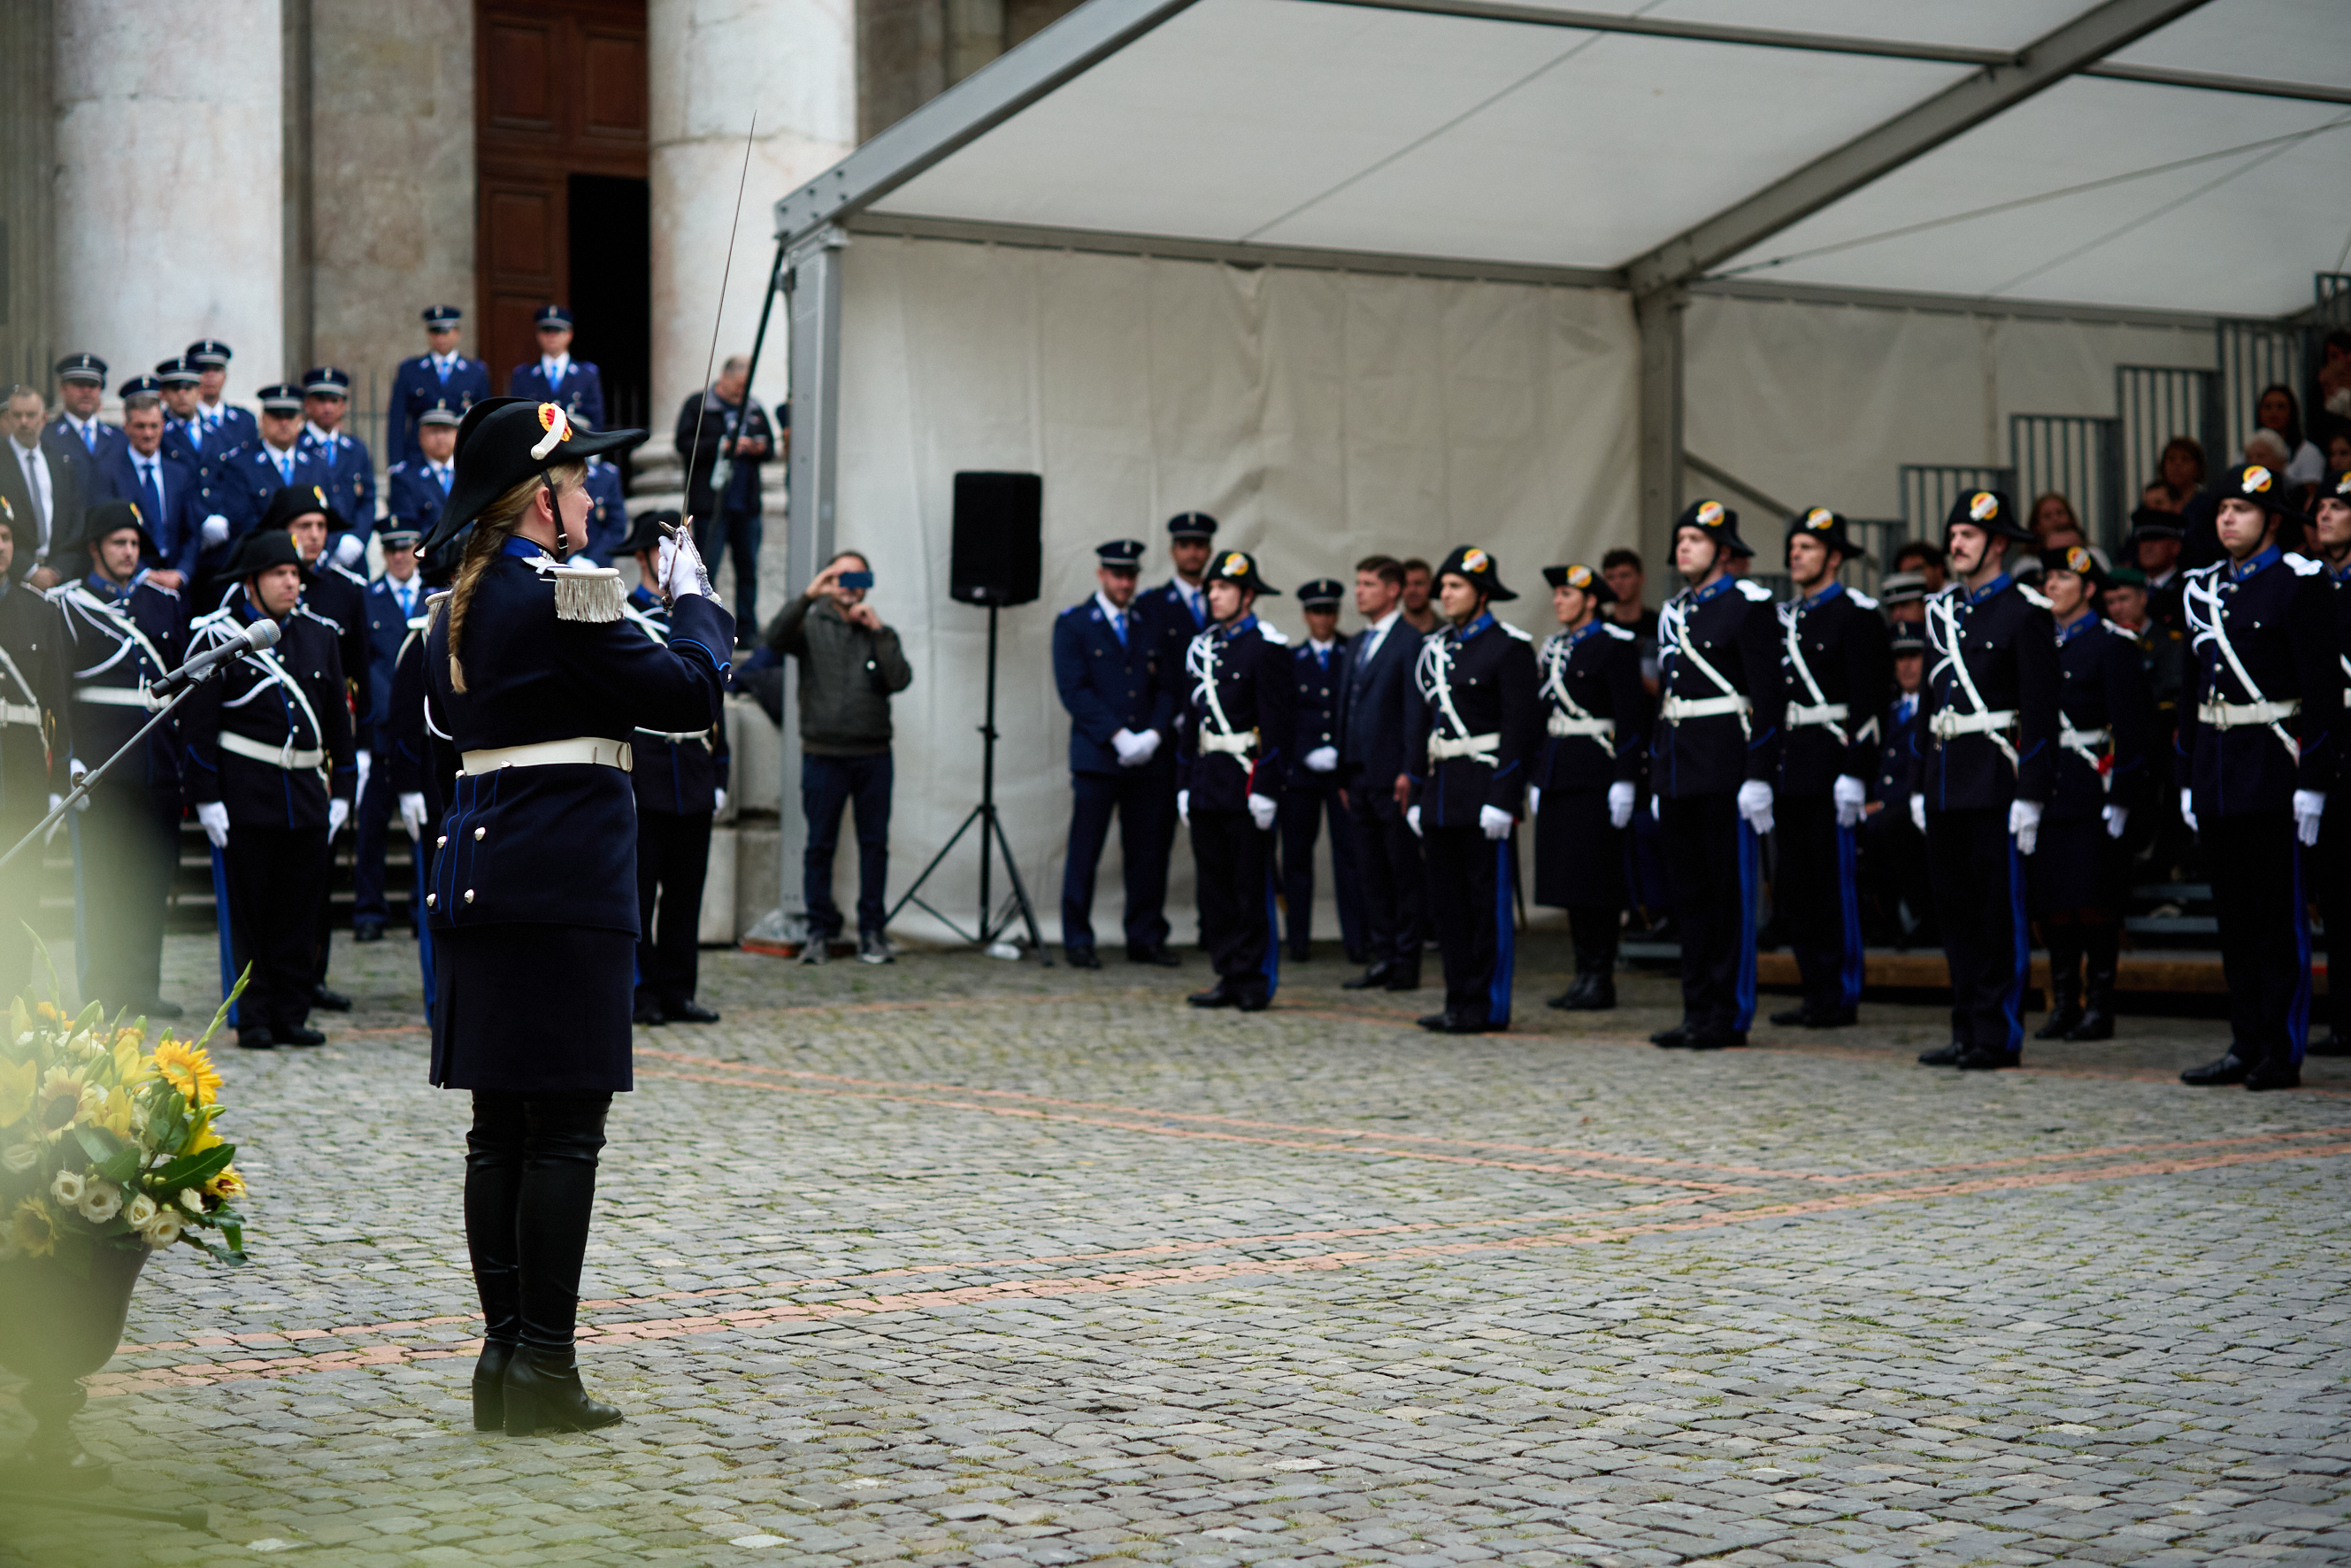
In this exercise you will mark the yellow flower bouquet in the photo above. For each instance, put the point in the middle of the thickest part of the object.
(106, 1144)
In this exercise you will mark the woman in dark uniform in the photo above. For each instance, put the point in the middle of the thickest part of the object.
(1595, 738)
(538, 681)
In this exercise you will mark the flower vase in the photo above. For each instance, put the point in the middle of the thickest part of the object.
(56, 1329)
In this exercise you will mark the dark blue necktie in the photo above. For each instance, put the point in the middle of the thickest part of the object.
(151, 482)
(1118, 624)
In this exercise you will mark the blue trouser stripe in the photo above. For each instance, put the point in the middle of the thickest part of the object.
(1506, 936)
(2011, 1002)
(424, 932)
(1749, 849)
(1849, 921)
(2297, 1031)
(221, 919)
(1272, 933)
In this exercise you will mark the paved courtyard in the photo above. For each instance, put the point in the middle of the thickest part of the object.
(960, 1261)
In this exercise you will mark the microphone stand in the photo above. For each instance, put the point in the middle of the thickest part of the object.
(81, 790)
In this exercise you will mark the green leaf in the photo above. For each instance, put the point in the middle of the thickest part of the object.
(189, 1170)
(234, 1257)
(113, 1159)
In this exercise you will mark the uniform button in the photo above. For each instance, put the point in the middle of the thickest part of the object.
(432, 900)
(442, 842)
(469, 895)
(480, 833)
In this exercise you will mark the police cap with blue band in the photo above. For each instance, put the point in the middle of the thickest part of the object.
(1120, 555)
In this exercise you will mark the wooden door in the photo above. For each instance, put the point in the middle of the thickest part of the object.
(560, 89)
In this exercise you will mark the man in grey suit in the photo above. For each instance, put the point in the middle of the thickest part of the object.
(1372, 764)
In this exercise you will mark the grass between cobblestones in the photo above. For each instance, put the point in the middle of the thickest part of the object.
(957, 1262)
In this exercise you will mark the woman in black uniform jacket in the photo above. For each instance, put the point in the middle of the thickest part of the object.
(538, 680)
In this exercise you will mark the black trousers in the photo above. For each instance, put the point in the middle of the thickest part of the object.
(1893, 870)
(2328, 867)
(1713, 862)
(20, 896)
(1232, 863)
(2256, 866)
(673, 862)
(1471, 879)
(1818, 900)
(1301, 823)
(1146, 807)
(126, 847)
(1980, 887)
(370, 820)
(270, 882)
(530, 1193)
(1389, 863)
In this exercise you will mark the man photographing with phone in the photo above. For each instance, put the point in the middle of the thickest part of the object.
(850, 667)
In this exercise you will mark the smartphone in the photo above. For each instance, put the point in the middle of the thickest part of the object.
(855, 579)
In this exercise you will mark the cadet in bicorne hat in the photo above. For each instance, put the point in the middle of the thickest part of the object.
(440, 376)
(534, 673)
(1320, 664)
(2259, 731)
(1990, 723)
(2098, 798)
(1713, 761)
(1469, 719)
(1228, 780)
(1122, 712)
(1837, 674)
(1587, 775)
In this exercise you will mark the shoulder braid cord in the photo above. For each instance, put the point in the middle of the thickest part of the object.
(1680, 645)
(1943, 616)
(1790, 614)
(2211, 628)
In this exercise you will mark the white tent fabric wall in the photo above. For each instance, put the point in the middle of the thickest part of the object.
(1320, 415)
(1818, 405)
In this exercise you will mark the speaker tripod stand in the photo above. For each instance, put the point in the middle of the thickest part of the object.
(993, 921)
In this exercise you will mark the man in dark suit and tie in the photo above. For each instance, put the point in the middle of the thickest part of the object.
(556, 376)
(228, 425)
(1320, 665)
(42, 495)
(163, 484)
(416, 489)
(392, 607)
(441, 376)
(1371, 765)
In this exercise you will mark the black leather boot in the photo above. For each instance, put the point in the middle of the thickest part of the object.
(494, 1155)
(1594, 933)
(557, 1201)
(2103, 944)
(543, 1394)
(490, 1386)
(2065, 982)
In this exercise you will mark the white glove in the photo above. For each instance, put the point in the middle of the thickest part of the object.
(677, 567)
(2309, 810)
(1323, 759)
(214, 816)
(1755, 804)
(1184, 806)
(2116, 817)
(1620, 803)
(339, 811)
(2187, 809)
(1919, 813)
(1534, 801)
(1494, 822)
(2024, 822)
(214, 531)
(348, 550)
(718, 803)
(358, 786)
(1146, 746)
(1848, 793)
(411, 815)
(1412, 820)
(1657, 808)
(1261, 809)
(1129, 747)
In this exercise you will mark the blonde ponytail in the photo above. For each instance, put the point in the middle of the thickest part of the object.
(492, 529)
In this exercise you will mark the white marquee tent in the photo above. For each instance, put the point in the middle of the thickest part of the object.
(1357, 275)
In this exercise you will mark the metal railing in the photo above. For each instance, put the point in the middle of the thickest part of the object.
(1930, 488)
(2252, 355)
(2073, 456)
(2156, 404)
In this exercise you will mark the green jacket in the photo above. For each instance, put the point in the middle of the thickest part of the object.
(847, 677)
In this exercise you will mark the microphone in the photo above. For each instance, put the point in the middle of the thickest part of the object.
(261, 634)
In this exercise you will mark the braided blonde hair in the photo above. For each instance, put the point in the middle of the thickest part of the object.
(492, 529)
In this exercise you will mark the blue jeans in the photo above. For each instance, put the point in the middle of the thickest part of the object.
(741, 532)
(828, 784)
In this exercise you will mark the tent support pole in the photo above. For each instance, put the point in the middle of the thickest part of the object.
(1659, 317)
(810, 278)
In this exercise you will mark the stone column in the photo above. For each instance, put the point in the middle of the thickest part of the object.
(169, 188)
(712, 63)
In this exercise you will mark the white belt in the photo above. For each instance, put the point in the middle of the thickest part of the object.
(284, 757)
(1442, 747)
(114, 697)
(2233, 716)
(676, 736)
(549, 753)
(1238, 744)
(20, 713)
(2083, 740)
(1676, 709)
(1568, 723)
(1948, 723)
(1801, 714)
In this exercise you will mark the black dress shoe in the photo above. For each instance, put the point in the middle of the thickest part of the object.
(1373, 977)
(300, 1034)
(1432, 1021)
(1216, 995)
(1792, 1017)
(1716, 1040)
(2273, 1074)
(333, 1001)
(2333, 1045)
(490, 1387)
(1252, 1001)
(1675, 1039)
(689, 1011)
(1159, 958)
(1834, 1017)
(1980, 1058)
(1080, 958)
(543, 1395)
(649, 1014)
(1403, 979)
(1598, 996)
(1943, 1056)
(256, 1040)
(1463, 1023)
(368, 931)
(2229, 1069)
(159, 1009)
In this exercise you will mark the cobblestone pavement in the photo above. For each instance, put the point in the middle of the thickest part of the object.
(967, 1262)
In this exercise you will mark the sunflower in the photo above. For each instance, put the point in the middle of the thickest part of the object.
(60, 1097)
(188, 1069)
(33, 1229)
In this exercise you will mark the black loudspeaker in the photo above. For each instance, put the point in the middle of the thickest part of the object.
(998, 555)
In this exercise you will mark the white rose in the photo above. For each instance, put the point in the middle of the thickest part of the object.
(20, 1157)
(192, 1200)
(140, 1212)
(160, 1231)
(100, 1202)
(67, 1189)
